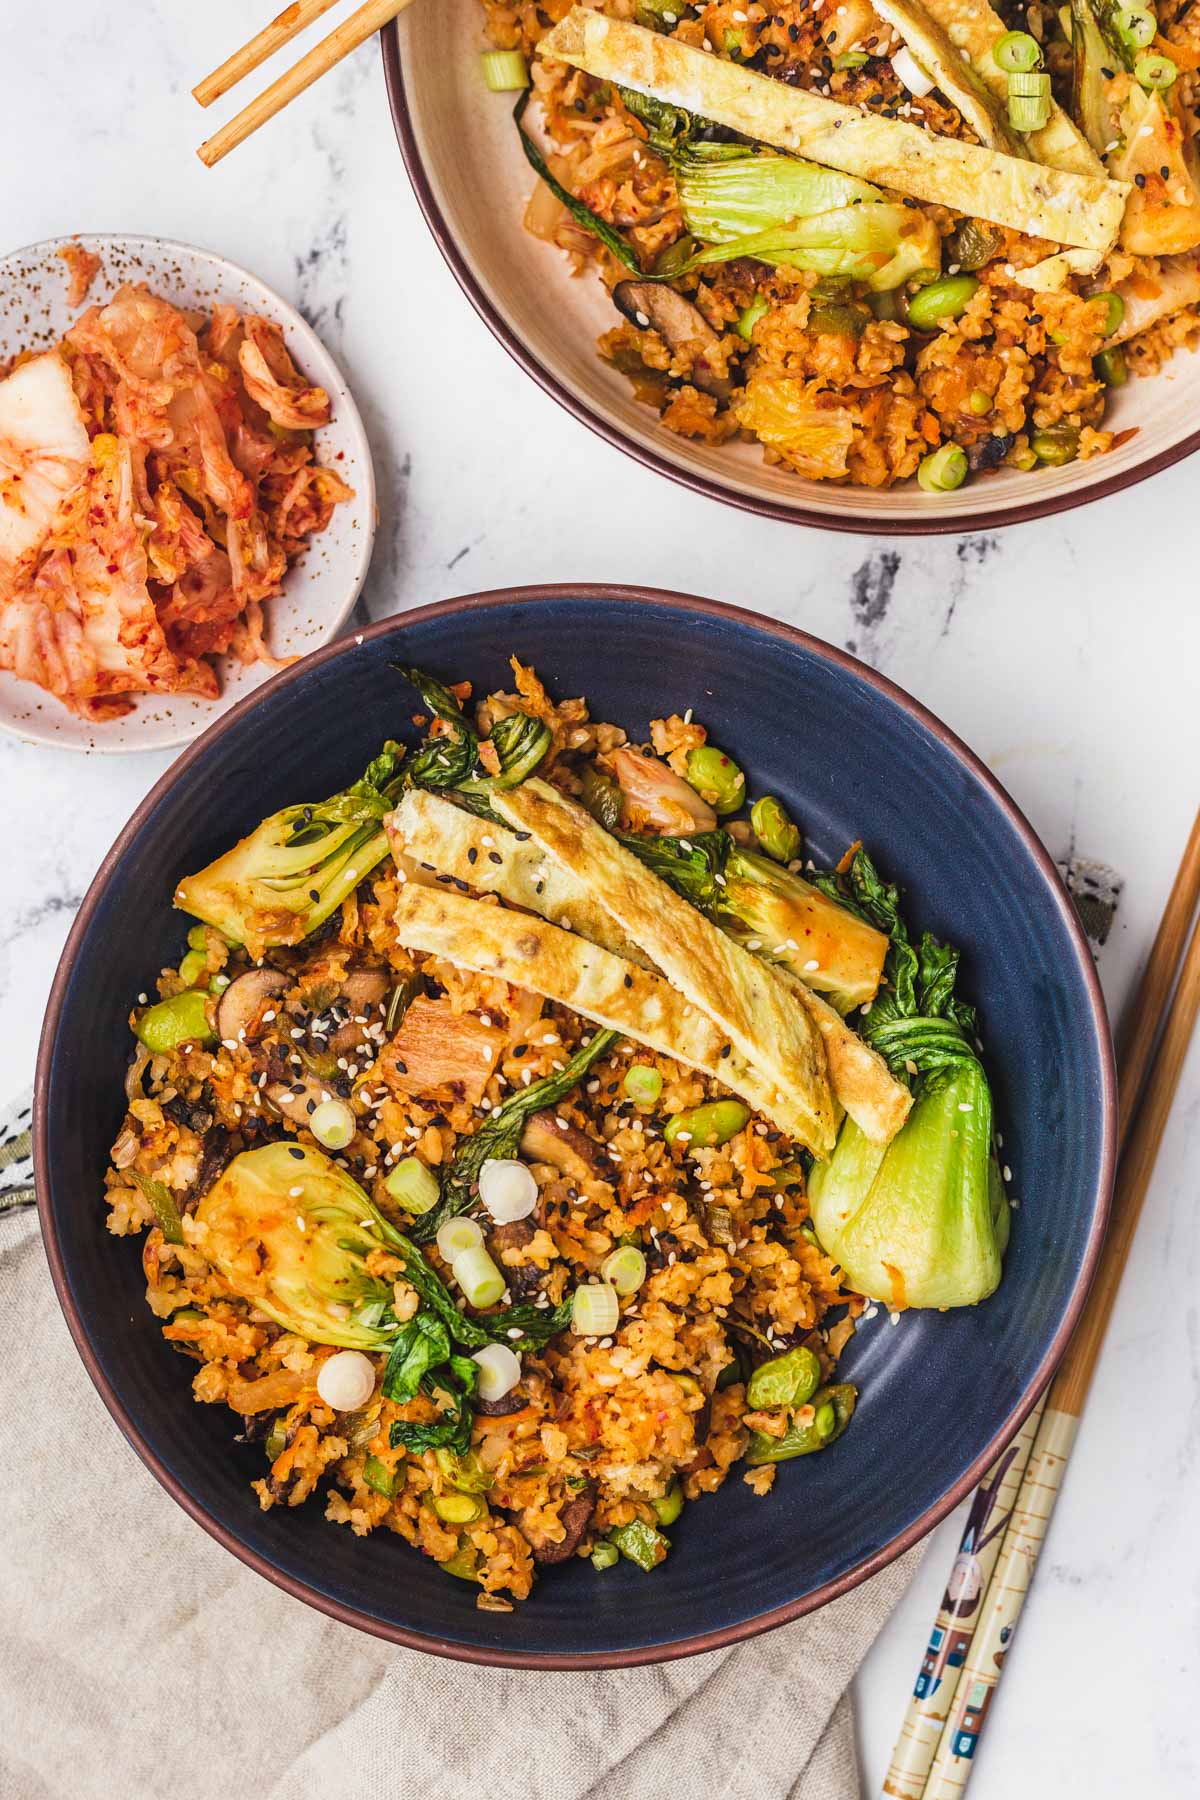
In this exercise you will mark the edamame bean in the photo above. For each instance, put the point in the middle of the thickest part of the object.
(787, 1380)
(716, 777)
(777, 834)
(945, 299)
(704, 1127)
(180, 1020)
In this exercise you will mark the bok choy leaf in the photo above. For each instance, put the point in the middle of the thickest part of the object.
(922, 1221)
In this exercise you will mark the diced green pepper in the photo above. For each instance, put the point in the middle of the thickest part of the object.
(641, 1543)
(832, 1407)
(668, 1506)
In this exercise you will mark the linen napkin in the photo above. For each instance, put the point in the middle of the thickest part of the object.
(142, 1662)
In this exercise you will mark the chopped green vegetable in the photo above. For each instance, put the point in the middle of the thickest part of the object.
(377, 1475)
(295, 869)
(750, 315)
(500, 1135)
(975, 243)
(504, 70)
(642, 1084)
(624, 1269)
(458, 1509)
(333, 1124)
(162, 1204)
(716, 777)
(1137, 27)
(1114, 310)
(605, 1555)
(1111, 367)
(778, 835)
(276, 1441)
(1057, 445)
(466, 1473)
(193, 967)
(704, 1127)
(1029, 112)
(1017, 51)
(478, 1277)
(940, 300)
(583, 215)
(602, 797)
(412, 1186)
(668, 1506)
(787, 1380)
(596, 1310)
(833, 1408)
(979, 402)
(183, 1019)
(640, 1543)
(943, 470)
(451, 759)
(1155, 73)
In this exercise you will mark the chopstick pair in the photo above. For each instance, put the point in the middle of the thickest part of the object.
(371, 17)
(934, 1754)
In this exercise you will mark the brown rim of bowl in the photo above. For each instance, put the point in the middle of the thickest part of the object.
(986, 519)
(782, 1615)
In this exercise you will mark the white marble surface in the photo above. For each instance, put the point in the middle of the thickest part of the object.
(1067, 653)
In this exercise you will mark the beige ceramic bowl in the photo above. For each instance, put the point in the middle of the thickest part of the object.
(472, 182)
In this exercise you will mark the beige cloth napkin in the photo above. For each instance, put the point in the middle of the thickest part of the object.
(140, 1661)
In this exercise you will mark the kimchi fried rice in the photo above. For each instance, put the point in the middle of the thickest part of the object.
(618, 1293)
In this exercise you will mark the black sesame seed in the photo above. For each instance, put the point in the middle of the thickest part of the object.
(1164, 171)
(522, 837)
(294, 1150)
(494, 856)
(314, 894)
(472, 855)
(401, 1068)
(725, 1049)
(1140, 180)
(629, 981)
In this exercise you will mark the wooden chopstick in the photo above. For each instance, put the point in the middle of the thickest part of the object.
(1146, 1124)
(263, 44)
(369, 18)
(1155, 985)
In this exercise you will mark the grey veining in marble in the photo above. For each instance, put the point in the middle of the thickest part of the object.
(1066, 652)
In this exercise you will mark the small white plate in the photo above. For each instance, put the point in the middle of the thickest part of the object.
(320, 588)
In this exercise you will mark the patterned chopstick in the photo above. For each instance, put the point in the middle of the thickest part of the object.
(1096, 890)
(1150, 1074)
(958, 1617)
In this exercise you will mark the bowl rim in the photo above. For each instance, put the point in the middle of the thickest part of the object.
(550, 594)
(922, 524)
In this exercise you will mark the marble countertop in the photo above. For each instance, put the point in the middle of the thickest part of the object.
(1066, 652)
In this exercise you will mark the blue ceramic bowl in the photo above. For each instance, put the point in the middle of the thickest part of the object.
(852, 757)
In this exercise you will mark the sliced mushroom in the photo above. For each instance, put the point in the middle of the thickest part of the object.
(524, 1280)
(299, 1099)
(362, 990)
(516, 1400)
(575, 1518)
(651, 304)
(243, 1001)
(547, 1139)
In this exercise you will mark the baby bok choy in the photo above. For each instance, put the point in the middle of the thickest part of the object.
(296, 868)
(922, 1221)
(455, 759)
(779, 209)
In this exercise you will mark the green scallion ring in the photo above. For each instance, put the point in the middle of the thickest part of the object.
(504, 70)
(1155, 73)
(1029, 86)
(1016, 51)
(943, 470)
(1028, 112)
(1137, 26)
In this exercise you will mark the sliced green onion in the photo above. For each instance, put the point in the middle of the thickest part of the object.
(478, 1277)
(499, 1370)
(642, 1084)
(504, 70)
(1114, 311)
(275, 1442)
(1137, 26)
(412, 1186)
(377, 1475)
(162, 1204)
(1024, 459)
(605, 1555)
(979, 402)
(851, 59)
(1028, 112)
(193, 966)
(1016, 51)
(219, 983)
(747, 320)
(1155, 73)
(1031, 84)
(595, 1310)
(668, 1506)
(624, 1269)
(457, 1236)
(1111, 367)
(943, 470)
(333, 1124)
